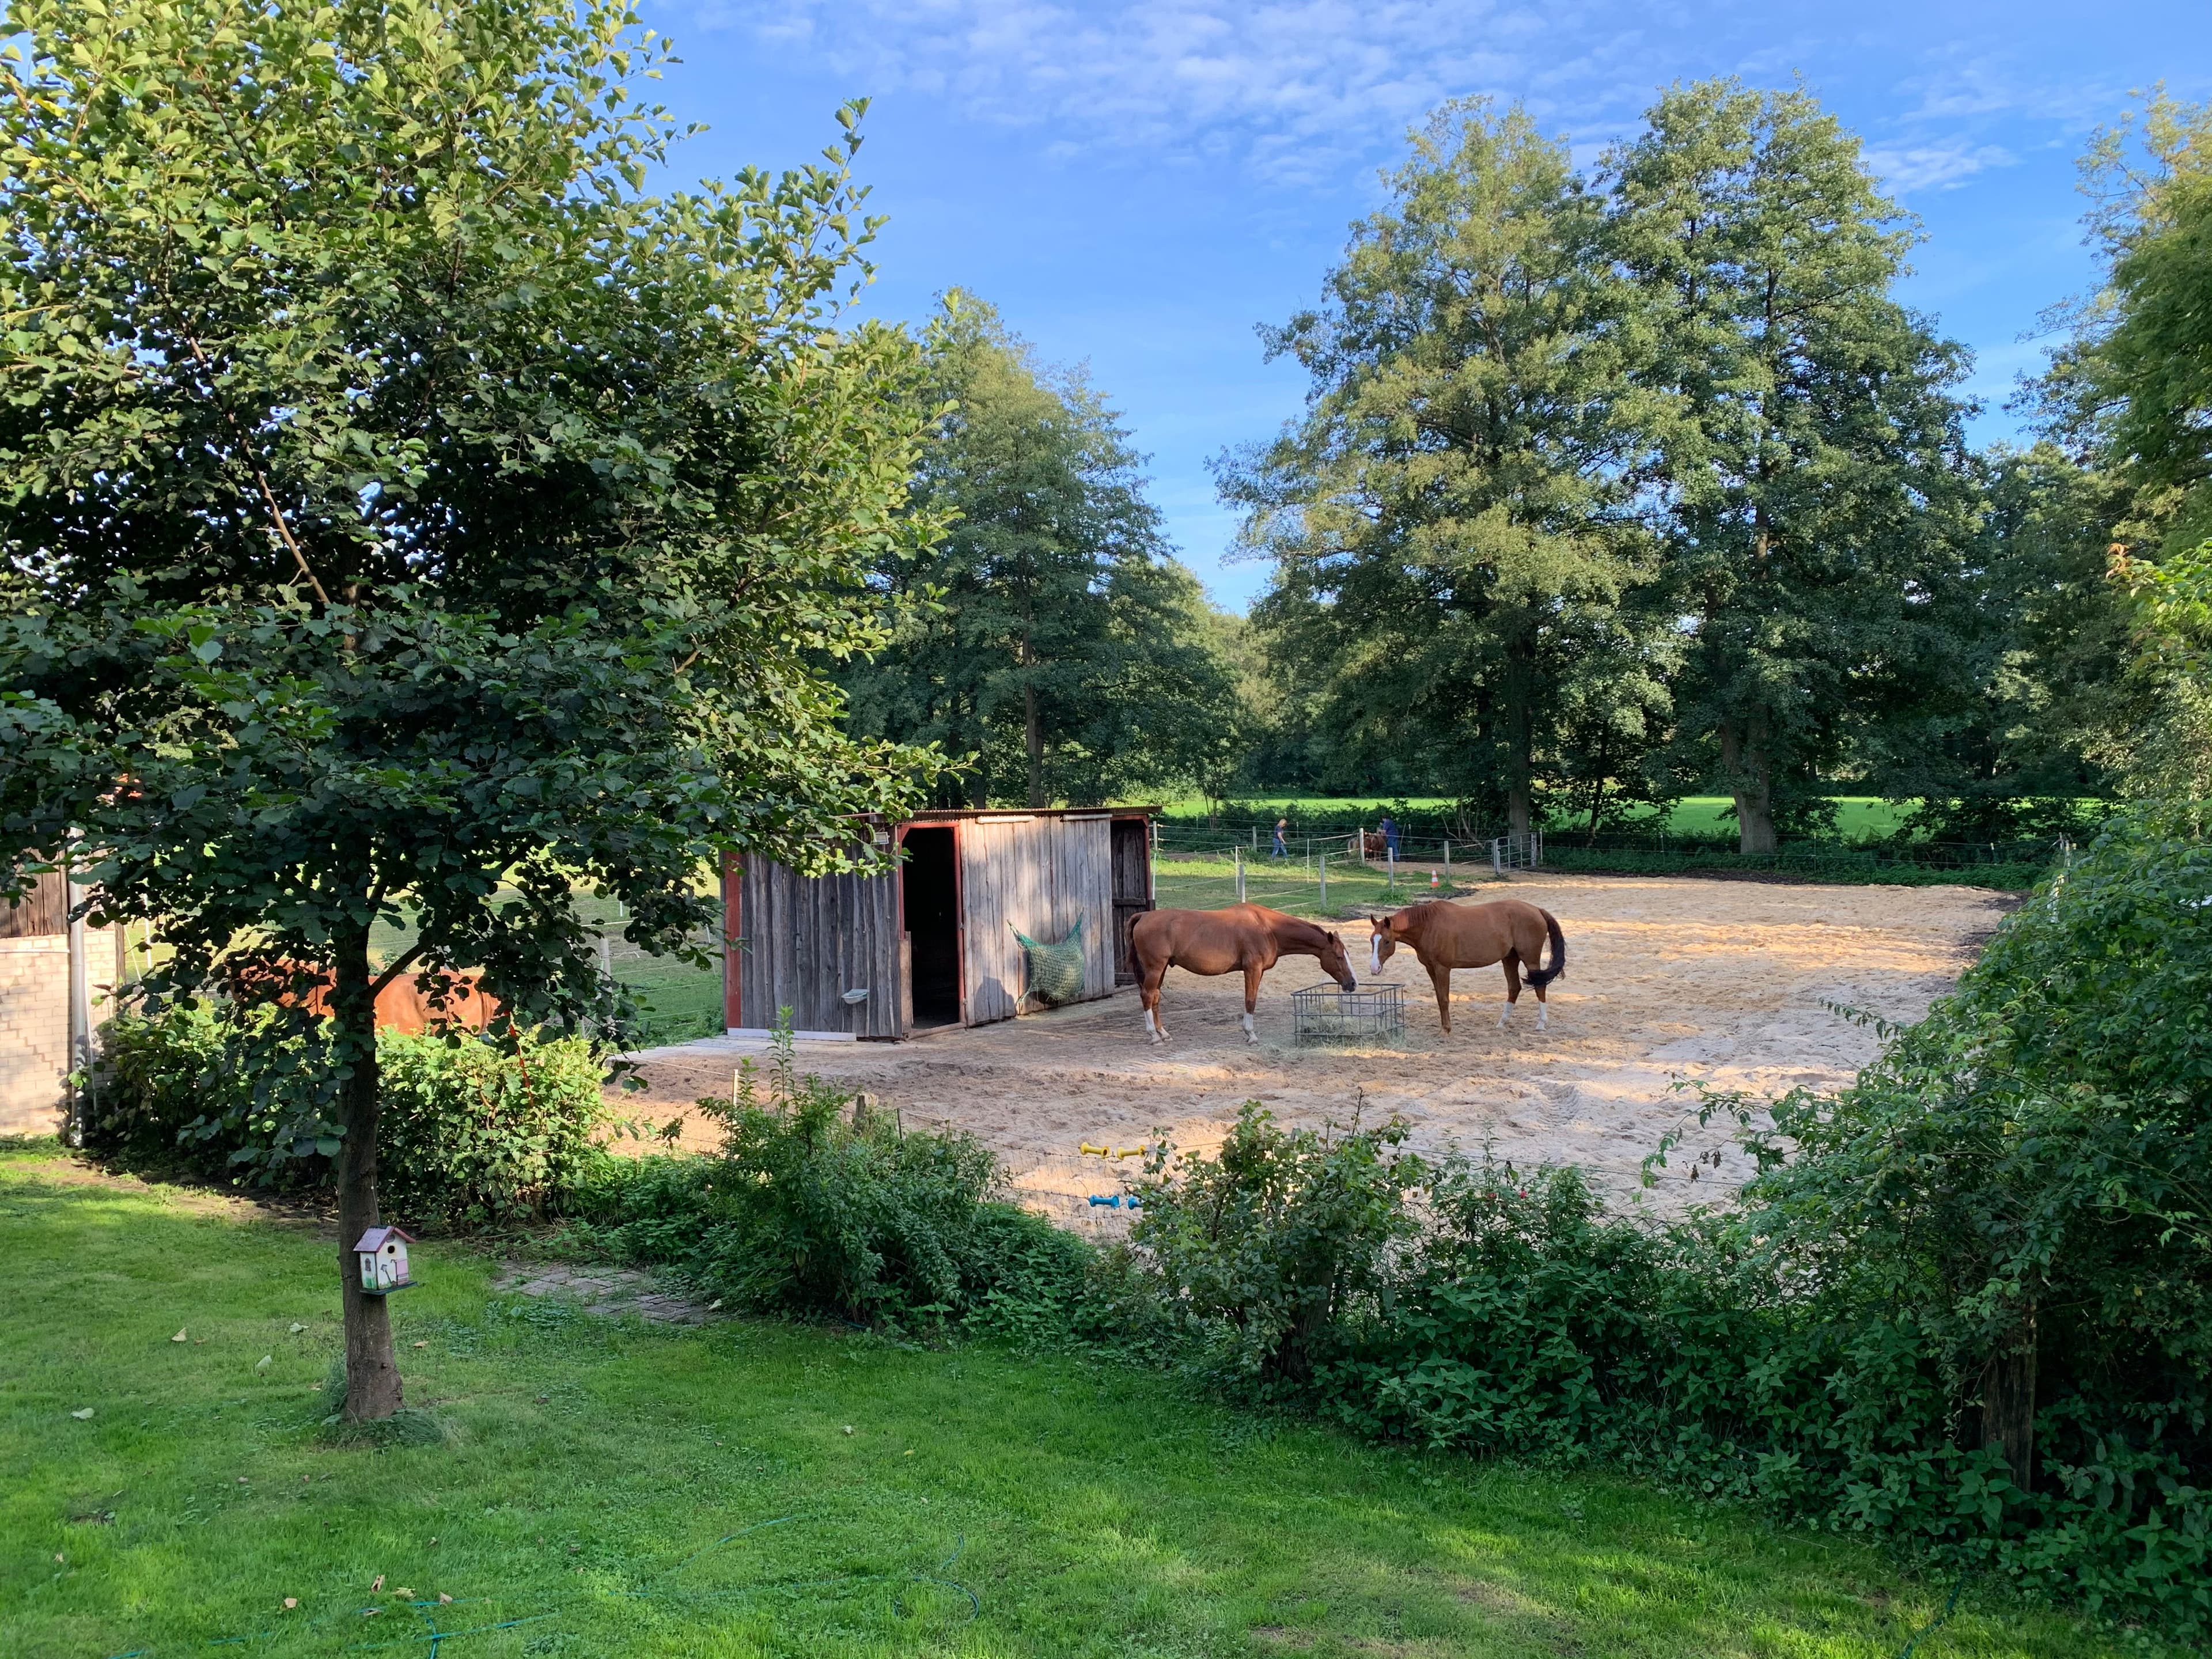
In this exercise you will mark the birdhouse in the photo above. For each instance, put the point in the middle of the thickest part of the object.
(382, 1253)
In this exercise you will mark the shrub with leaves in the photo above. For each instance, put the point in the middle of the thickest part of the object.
(1265, 1251)
(1966, 1305)
(482, 1131)
(818, 1205)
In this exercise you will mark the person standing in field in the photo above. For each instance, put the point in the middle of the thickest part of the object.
(1282, 848)
(1389, 828)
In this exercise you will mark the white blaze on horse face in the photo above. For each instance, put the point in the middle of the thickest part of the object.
(1375, 951)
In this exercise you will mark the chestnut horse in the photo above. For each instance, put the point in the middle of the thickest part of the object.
(403, 1006)
(1446, 936)
(1249, 937)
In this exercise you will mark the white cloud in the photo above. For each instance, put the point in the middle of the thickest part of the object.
(1905, 168)
(1291, 88)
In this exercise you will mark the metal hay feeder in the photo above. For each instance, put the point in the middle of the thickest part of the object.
(1323, 1013)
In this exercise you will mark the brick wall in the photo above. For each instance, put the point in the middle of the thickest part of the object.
(34, 1025)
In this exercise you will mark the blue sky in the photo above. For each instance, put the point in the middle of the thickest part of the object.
(1136, 185)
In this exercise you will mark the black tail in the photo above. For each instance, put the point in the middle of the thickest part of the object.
(1541, 976)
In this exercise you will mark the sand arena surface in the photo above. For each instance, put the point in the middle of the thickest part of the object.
(1668, 978)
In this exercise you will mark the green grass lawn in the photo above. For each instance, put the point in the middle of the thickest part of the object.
(593, 1488)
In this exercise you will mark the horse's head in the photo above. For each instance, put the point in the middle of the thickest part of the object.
(1335, 962)
(1384, 941)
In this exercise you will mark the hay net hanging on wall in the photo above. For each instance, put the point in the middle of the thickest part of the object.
(1055, 971)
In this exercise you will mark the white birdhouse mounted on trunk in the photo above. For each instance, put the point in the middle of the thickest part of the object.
(382, 1253)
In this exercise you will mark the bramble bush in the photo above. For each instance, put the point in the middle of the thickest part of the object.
(817, 1205)
(475, 1132)
(1966, 1305)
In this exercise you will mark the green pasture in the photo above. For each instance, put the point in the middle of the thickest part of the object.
(1207, 881)
(680, 1002)
(594, 1488)
(1858, 816)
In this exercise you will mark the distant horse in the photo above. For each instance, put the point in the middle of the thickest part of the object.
(1247, 936)
(1374, 845)
(402, 1005)
(1446, 936)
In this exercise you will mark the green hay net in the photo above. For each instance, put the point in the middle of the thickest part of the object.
(1055, 970)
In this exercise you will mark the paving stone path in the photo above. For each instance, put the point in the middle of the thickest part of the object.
(608, 1292)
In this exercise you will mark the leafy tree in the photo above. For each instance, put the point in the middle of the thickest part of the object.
(1816, 497)
(2133, 387)
(1051, 635)
(2040, 712)
(1454, 522)
(409, 518)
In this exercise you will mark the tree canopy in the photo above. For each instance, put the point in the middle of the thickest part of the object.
(1453, 522)
(1051, 641)
(411, 518)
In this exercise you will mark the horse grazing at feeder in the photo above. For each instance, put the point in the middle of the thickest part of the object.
(1250, 937)
(1446, 936)
(403, 1006)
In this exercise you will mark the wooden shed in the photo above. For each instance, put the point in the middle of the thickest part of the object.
(931, 943)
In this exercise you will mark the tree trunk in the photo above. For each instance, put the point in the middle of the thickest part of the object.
(1033, 730)
(2008, 1404)
(1520, 713)
(1751, 778)
(373, 1389)
(1600, 780)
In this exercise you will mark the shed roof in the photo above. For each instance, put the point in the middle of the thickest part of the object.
(1007, 813)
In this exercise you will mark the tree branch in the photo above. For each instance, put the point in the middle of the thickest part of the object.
(260, 477)
(407, 959)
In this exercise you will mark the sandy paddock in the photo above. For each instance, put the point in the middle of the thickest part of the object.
(1668, 979)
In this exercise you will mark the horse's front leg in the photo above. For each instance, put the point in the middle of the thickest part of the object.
(1512, 966)
(1251, 999)
(1440, 976)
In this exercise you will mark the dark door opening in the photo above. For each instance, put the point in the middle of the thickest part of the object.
(1133, 890)
(932, 898)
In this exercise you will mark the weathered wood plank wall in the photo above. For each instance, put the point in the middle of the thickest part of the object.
(1039, 875)
(802, 944)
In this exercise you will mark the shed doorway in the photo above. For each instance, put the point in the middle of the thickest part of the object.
(930, 896)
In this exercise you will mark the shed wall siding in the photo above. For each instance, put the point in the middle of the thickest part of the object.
(803, 943)
(1039, 876)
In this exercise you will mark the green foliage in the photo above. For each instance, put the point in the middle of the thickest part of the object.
(640, 1444)
(477, 1132)
(817, 1204)
(1966, 1303)
(1266, 1249)
(2164, 749)
(423, 519)
(1453, 522)
(1819, 503)
(2133, 387)
(1050, 638)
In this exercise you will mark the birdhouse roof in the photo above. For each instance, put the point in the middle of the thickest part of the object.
(375, 1237)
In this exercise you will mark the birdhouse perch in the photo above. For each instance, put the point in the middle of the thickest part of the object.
(382, 1253)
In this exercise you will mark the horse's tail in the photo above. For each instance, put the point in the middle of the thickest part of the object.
(1129, 939)
(1541, 976)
